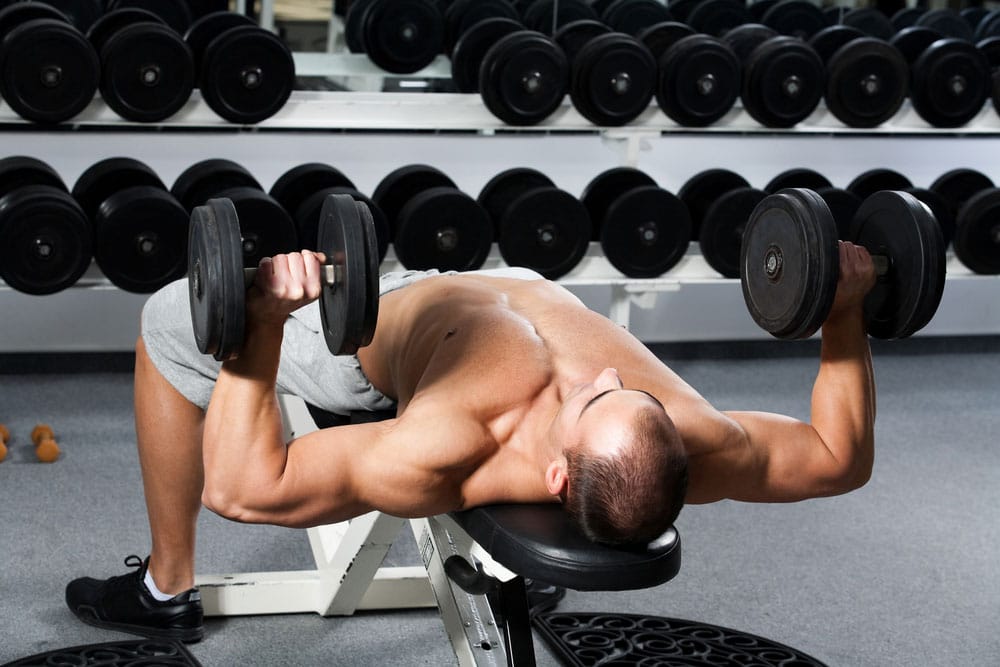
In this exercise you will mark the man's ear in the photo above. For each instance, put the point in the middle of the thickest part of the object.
(557, 478)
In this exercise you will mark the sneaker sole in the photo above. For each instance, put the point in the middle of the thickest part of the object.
(186, 635)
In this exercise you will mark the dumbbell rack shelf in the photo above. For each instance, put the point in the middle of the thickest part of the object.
(370, 133)
(459, 112)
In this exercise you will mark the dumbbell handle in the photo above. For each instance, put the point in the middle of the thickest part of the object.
(882, 264)
(330, 275)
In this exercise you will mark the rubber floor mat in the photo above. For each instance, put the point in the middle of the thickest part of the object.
(620, 640)
(132, 653)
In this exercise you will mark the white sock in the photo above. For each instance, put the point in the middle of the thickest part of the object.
(153, 590)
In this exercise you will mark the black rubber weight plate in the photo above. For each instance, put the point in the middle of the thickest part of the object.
(344, 304)
(628, 639)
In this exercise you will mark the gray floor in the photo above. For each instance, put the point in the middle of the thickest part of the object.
(901, 572)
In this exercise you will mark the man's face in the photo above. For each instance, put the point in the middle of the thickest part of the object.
(597, 414)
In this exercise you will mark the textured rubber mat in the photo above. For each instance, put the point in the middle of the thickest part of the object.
(618, 640)
(132, 653)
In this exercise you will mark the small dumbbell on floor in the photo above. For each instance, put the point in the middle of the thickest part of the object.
(46, 447)
(789, 263)
(4, 437)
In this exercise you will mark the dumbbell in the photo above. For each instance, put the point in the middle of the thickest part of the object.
(643, 229)
(698, 75)
(949, 78)
(46, 447)
(302, 190)
(45, 237)
(536, 224)
(266, 227)
(719, 202)
(401, 36)
(147, 70)
(217, 281)
(49, 72)
(434, 225)
(789, 263)
(975, 201)
(140, 229)
(175, 13)
(866, 77)
(990, 46)
(245, 73)
(612, 74)
(783, 77)
(521, 75)
(4, 439)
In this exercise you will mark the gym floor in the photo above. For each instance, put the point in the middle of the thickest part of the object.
(900, 572)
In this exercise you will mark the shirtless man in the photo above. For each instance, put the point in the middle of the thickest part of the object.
(507, 389)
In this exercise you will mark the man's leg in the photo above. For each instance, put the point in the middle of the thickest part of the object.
(168, 429)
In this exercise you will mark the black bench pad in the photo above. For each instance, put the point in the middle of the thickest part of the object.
(540, 542)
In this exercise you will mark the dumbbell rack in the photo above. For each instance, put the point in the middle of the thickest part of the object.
(369, 134)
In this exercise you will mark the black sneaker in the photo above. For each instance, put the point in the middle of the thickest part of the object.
(124, 603)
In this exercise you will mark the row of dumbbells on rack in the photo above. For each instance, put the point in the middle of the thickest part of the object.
(120, 215)
(145, 57)
(780, 58)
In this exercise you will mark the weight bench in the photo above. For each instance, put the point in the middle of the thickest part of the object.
(475, 563)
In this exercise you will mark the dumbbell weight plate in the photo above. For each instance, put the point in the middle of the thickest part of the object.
(897, 225)
(867, 81)
(912, 41)
(799, 177)
(613, 79)
(307, 217)
(201, 33)
(948, 22)
(523, 78)
(869, 182)
(546, 230)
(49, 72)
(796, 18)
(951, 82)
(906, 18)
(299, 183)
(462, 15)
(606, 187)
(701, 190)
(206, 179)
(699, 81)
(745, 38)
(19, 171)
(661, 36)
(783, 83)
(349, 307)
(977, 236)
(939, 208)
(548, 16)
(631, 16)
(646, 232)
(789, 263)
(503, 189)
(102, 179)
(148, 72)
(174, 13)
(843, 205)
(216, 287)
(266, 228)
(957, 186)
(107, 25)
(572, 37)
(140, 238)
(721, 233)
(716, 17)
(471, 47)
(247, 75)
(870, 21)
(402, 184)
(45, 240)
(81, 13)
(442, 228)
(402, 36)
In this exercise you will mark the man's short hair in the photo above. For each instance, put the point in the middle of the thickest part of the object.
(634, 495)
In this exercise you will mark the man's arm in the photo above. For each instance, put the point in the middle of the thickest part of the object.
(773, 458)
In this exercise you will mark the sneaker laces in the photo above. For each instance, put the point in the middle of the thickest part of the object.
(128, 579)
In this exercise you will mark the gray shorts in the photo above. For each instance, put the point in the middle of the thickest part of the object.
(307, 369)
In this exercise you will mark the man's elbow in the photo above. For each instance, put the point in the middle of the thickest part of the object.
(850, 476)
(223, 502)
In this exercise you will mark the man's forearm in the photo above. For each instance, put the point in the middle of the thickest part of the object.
(843, 399)
(243, 446)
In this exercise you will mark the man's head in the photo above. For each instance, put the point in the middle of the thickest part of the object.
(622, 472)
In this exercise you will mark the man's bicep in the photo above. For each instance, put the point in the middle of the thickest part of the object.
(776, 459)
